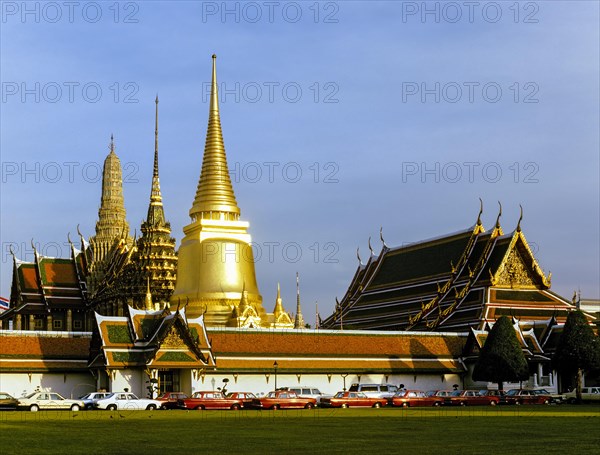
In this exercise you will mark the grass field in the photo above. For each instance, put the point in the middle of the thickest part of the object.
(476, 430)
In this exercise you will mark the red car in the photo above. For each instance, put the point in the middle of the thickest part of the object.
(246, 397)
(352, 399)
(410, 398)
(210, 400)
(283, 399)
(170, 400)
(517, 396)
(473, 397)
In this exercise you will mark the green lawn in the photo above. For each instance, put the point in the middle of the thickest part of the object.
(514, 429)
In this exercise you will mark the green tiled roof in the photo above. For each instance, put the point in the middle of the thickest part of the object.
(173, 356)
(118, 334)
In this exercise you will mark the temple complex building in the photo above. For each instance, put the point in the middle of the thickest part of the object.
(133, 312)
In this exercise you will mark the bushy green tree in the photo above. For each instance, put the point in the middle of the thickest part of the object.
(578, 349)
(501, 358)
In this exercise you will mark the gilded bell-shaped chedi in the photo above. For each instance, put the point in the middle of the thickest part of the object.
(216, 262)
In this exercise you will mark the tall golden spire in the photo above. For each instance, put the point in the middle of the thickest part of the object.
(215, 198)
(155, 196)
(215, 268)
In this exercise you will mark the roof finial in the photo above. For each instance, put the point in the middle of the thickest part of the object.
(69, 238)
(381, 237)
(480, 212)
(358, 256)
(370, 247)
(520, 218)
(499, 215)
(112, 143)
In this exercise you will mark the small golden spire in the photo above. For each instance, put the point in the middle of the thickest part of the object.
(299, 320)
(480, 212)
(215, 192)
(278, 304)
(149, 305)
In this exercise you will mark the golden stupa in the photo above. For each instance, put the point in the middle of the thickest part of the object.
(216, 263)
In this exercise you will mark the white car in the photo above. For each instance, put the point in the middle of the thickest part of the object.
(310, 392)
(587, 394)
(49, 400)
(89, 399)
(126, 401)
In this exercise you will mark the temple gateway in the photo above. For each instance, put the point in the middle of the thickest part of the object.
(134, 312)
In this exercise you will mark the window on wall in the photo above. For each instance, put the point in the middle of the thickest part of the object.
(77, 325)
(57, 324)
(39, 324)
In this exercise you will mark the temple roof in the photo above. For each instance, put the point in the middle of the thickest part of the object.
(48, 283)
(160, 339)
(443, 283)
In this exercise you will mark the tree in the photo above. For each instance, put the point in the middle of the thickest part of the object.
(578, 349)
(501, 358)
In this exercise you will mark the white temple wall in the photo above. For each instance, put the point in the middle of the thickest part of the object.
(69, 385)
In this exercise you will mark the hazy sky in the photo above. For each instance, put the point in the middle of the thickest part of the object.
(338, 118)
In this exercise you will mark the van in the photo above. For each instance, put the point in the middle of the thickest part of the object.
(309, 392)
(375, 390)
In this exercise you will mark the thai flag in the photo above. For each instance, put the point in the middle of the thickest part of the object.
(4, 304)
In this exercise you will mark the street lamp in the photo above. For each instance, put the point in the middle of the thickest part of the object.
(275, 366)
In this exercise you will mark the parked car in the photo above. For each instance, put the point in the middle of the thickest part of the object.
(353, 400)
(521, 396)
(587, 394)
(89, 399)
(444, 395)
(210, 400)
(410, 398)
(246, 397)
(49, 400)
(472, 397)
(554, 397)
(7, 401)
(375, 390)
(169, 400)
(126, 401)
(283, 399)
(310, 392)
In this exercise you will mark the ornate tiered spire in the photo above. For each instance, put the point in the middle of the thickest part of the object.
(299, 320)
(112, 225)
(156, 214)
(214, 197)
(155, 262)
(111, 215)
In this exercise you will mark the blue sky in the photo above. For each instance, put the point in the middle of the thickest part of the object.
(393, 117)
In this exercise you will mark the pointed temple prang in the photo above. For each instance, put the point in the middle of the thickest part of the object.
(215, 192)
(299, 321)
